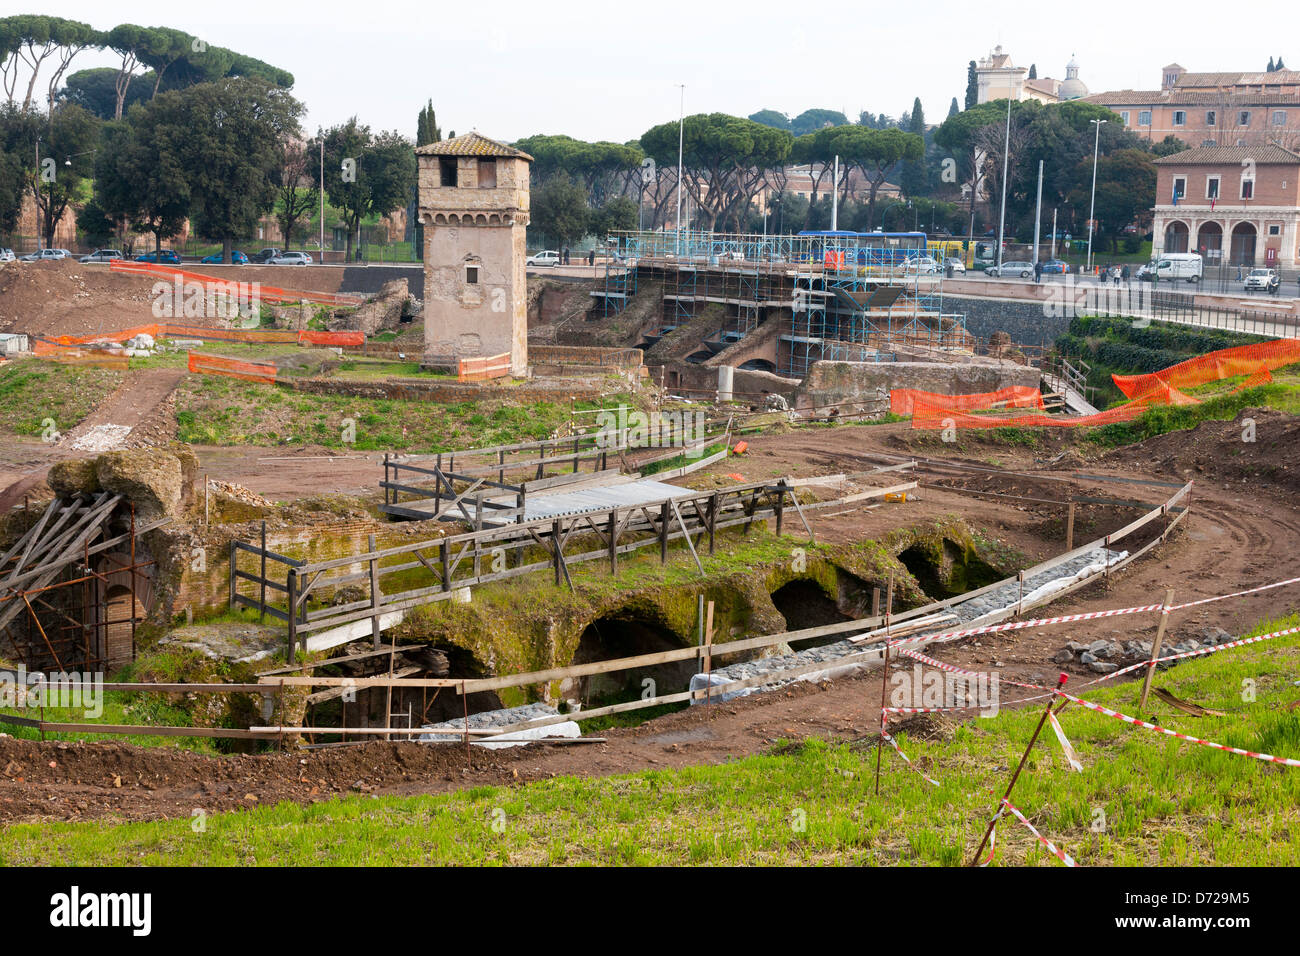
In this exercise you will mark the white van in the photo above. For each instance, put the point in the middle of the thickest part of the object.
(1174, 265)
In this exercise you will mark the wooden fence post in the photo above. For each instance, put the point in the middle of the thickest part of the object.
(261, 604)
(884, 677)
(1069, 528)
(292, 582)
(613, 541)
(713, 520)
(374, 592)
(555, 544)
(1155, 650)
(234, 551)
(663, 533)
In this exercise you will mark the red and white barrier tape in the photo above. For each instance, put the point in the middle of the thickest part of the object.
(894, 743)
(1224, 597)
(1051, 847)
(1070, 757)
(1204, 650)
(993, 834)
(1285, 761)
(1033, 622)
(953, 669)
(1086, 616)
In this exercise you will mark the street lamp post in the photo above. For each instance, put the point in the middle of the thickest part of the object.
(1092, 203)
(1002, 218)
(681, 134)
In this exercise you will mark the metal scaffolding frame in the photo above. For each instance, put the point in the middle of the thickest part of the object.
(52, 558)
(854, 298)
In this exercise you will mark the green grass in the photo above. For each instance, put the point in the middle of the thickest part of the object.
(1142, 800)
(1162, 419)
(33, 390)
(212, 410)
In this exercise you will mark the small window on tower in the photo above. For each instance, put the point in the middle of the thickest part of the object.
(487, 174)
(447, 171)
(471, 275)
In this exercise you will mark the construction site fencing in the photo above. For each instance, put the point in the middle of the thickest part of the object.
(484, 368)
(1248, 360)
(56, 345)
(204, 364)
(266, 293)
(902, 401)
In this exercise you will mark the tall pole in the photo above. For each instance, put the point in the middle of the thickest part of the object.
(835, 196)
(321, 133)
(1038, 209)
(681, 134)
(1053, 232)
(1092, 203)
(1006, 153)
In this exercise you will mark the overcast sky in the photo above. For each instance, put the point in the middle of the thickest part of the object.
(609, 70)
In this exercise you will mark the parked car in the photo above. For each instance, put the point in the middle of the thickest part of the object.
(1055, 267)
(921, 265)
(266, 255)
(45, 255)
(236, 258)
(290, 259)
(1264, 280)
(166, 256)
(102, 255)
(955, 266)
(548, 258)
(1022, 269)
(7, 255)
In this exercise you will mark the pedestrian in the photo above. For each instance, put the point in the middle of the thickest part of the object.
(1124, 273)
(1114, 274)
(1038, 271)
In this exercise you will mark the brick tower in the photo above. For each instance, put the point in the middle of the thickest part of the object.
(473, 203)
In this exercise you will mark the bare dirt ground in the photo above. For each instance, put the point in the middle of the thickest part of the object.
(142, 403)
(68, 298)
(1240, 534)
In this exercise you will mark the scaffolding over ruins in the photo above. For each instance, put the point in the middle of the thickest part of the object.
(843, 296)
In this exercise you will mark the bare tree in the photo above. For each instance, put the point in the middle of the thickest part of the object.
(296, 190)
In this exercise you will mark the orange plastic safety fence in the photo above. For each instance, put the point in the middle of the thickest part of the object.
(483, 369)
(902, 400)
(266, 292)
(339, 339)
(1262, 377)
(220, 365)
(1213, 366)
(932, 417)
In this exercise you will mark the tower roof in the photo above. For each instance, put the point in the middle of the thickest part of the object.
(472, 144)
